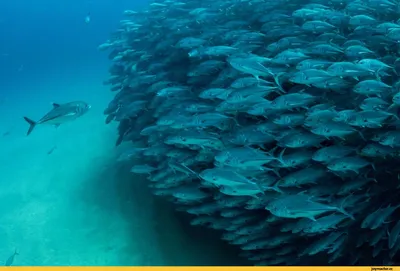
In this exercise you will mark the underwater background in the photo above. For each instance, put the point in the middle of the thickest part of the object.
(63, 198)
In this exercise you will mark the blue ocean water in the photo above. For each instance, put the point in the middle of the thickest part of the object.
(63, 200)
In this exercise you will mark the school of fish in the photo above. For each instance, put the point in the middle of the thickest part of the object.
(273, 121)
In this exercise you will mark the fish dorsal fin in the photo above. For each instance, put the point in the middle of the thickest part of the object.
(55, 105)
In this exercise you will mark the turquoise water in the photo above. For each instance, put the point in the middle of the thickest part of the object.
(63, 198)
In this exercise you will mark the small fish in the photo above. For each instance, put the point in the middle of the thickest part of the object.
(301, 206)
(51, 150)
(328, 154)
(87, 18)
(394, 235)
(60, 114)
(143, 169)
(349, 164)
(10, 259)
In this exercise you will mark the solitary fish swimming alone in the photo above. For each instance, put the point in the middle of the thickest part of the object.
(87, 18)
(60, 113)
(10, 259)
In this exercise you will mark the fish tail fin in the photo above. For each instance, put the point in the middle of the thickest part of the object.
(190, 170)
(343, 211)
(280, 158)
(276, 188)
(361, 135)
(277, 78)
(391, 107)
(16, 252)
(119, 140)
(32, 125)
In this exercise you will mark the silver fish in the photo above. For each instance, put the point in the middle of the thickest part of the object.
(60, 114)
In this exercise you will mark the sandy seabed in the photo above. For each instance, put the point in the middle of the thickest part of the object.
(76, 205)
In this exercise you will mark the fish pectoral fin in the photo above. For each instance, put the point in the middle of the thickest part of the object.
(55, 105)
(304, 214)
(57, 125)
(311, 218)
(70, 114)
